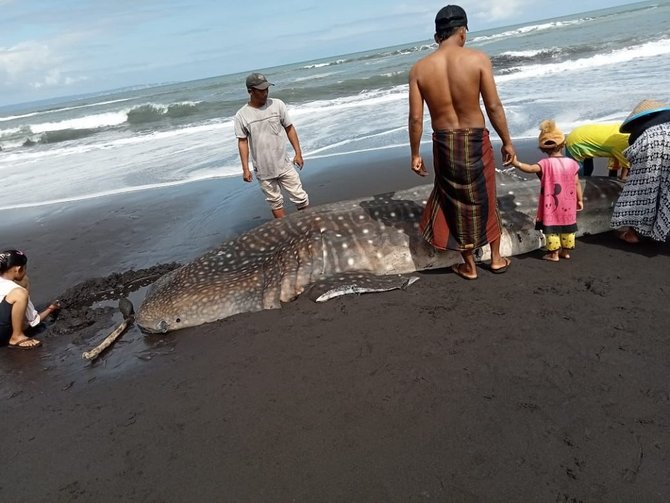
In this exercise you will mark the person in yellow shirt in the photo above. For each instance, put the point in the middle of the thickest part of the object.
(598, 140)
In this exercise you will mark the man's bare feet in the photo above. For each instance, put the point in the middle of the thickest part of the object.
(463, 271)
(501, 266)
(564, 254)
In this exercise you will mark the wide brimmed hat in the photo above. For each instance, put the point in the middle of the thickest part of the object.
(643, 108)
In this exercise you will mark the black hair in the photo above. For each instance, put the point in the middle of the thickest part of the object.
(443, 35)
(12, 258)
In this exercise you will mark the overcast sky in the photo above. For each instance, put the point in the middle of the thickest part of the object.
(51, 48)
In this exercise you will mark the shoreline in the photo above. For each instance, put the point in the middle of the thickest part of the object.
(138, 230)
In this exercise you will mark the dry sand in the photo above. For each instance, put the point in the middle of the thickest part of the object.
(547, 383)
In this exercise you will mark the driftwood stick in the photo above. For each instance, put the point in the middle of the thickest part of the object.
(127, 309)
(95, 352)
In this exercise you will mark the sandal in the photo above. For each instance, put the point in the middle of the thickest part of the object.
(26, 344)
(500, 270)
(457, 269)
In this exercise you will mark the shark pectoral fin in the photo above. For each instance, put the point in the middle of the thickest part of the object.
(348, 283)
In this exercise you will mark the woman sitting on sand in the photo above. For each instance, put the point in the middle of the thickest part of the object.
(16, 309)
(643, 208)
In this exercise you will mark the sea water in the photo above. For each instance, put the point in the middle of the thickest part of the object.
(588, 67)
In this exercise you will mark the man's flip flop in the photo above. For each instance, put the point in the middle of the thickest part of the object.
(457, 269)
(500, 270)
(26, 344)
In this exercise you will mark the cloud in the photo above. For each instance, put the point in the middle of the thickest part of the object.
(415, 19)
(493, 11)
(481, 13)
(32, 64)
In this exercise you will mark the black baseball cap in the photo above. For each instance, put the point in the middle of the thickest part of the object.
(257, 81)
(451, 16)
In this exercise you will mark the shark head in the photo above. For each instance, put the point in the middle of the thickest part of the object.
(166, 307)
(203, 291)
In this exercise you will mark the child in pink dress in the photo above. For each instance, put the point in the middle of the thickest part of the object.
(561, 193)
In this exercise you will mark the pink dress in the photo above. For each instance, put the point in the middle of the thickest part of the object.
(557, 208)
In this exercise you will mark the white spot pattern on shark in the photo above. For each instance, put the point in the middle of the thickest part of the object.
(374, 236)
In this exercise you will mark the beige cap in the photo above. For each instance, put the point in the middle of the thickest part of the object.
(550, 135)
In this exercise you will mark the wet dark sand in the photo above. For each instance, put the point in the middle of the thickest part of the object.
(547, 383)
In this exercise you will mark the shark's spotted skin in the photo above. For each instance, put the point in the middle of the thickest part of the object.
(378, 235)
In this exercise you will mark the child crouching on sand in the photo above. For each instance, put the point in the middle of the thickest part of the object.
(560, 195)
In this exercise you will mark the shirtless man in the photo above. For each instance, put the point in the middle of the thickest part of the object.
(462, 212)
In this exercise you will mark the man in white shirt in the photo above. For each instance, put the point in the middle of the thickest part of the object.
(261, 127)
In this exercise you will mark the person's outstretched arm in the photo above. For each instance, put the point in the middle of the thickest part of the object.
(526, 168)
(50, 309)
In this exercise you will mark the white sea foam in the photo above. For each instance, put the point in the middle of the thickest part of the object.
(321, 65)
(123, 158)
(65, 109)
(138, 139)
(525, 30)
(312, 154)
(529, 53)
(94, 121)
(11, 131)
(89, 122)
(112, 192)
(614, 58)
(314, 77)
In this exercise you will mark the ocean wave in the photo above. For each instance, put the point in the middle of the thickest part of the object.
(403, 51)
(314, 76)
(525, 30)
(506, 59)
(384, 53)
(95, 121)
(61, 135)
(321, 65)
(613, 58)
(14, 133)
(62, 109)
(151, 112)
(81, 127)
(343, 88)
(17, 117)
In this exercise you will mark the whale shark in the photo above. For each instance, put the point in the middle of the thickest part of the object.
(365, 244)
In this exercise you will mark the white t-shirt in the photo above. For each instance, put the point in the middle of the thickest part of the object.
(32, 316)
(264, 127)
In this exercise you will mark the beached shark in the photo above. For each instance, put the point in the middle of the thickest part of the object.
(361, 245)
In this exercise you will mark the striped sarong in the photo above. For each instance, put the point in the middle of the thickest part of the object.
(462, 211)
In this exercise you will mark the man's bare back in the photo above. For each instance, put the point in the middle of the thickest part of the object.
(449, 82)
